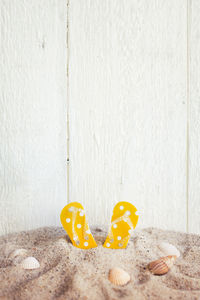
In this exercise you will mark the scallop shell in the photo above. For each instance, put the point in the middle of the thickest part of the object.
(17, 252)
(30, 263)
(162, 265)
(168, 249)
(118, 276)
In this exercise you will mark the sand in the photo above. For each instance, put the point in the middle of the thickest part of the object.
(69, 273)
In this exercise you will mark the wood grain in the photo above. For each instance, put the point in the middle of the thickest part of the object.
(194, 116)
(132, 95)
(32, 113)
(127, 107)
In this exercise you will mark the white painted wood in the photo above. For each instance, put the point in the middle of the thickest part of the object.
(32, 113)
(127, 107)
(128, 112)
(194, 116)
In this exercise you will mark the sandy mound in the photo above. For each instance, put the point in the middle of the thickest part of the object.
(70, 273)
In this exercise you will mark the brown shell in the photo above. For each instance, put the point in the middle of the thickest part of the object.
(118, 276)
(162, 265)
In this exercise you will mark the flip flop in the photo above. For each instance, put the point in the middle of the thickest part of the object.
(123, 221)
(74, 221)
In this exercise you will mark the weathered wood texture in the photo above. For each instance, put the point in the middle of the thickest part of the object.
(128, 108)
(194, 116)
(134, 110)
(32, 113)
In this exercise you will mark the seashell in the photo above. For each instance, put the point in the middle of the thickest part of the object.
(162, 265)
(30, 263)
(17, 252)
(168, 249)
(118, 276)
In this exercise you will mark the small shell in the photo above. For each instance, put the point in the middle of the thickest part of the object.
(30, 263)
(162, 265)
(168, 249)
(118, 276)
(17, 252)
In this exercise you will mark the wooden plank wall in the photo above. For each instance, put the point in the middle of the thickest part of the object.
(33, 113)
(126, 75)
(194, 115)
(128, 108)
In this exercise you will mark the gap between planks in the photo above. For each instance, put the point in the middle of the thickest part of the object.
(67, 40)
(188, 106)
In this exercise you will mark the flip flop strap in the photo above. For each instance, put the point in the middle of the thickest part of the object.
(124, 218)
(74, 214)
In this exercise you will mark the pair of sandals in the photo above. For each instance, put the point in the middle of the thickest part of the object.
(124, 220)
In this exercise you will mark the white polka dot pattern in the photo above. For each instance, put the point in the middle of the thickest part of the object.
(122, 223)
(75, 224)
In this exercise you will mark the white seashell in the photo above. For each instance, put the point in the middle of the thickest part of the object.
(118, 276)
(168, 249)
(17, 252)
(30, 263)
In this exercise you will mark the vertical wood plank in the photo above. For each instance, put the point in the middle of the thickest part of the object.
(128, 112)
(32, 113)
(194, 116)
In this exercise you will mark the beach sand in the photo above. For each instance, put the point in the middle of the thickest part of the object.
(69, 273)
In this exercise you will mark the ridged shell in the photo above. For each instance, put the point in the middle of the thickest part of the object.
(168, 249)
(30, 263)
(162, 265)
(17, 252)
(118, 276)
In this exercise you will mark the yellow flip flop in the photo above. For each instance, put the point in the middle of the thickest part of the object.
(74, 221)
(123, 221)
